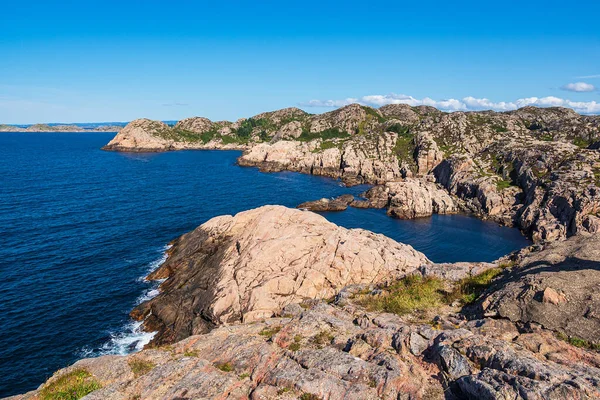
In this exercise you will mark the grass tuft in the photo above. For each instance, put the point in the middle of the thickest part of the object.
(269, 332)
(410, 294)
(416, 294)
(71, 386)
(140, 367)
(225, 367)
(578, 342)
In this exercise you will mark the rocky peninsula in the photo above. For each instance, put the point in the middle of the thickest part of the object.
(279, 303)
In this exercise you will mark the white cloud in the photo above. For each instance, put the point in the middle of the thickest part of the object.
(466, 104)
(579, 87)
(588, 76)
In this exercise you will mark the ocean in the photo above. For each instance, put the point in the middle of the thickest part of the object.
(81, 227)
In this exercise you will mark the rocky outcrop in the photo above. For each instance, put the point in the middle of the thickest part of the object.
(141, 135)
(557, 287)
(250, 266)
(411, 198)
(340, 203)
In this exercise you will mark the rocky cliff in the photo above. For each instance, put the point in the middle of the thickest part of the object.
(299, 308)
(537, 169)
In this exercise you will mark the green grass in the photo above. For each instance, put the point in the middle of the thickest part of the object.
(269, 332)
(190, 353)
(410, 294)
(373, 114)
(322, 339)
(309, 396)
(140, 367)
(283, 390)
(582, 143)
(72, 386)
(225, 367)
(416, 294)
(499, 128)
(296, 345)
(327, 144)
(578, 342)
(468, 289)
(503, 184)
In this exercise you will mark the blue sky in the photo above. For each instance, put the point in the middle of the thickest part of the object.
(86, 61)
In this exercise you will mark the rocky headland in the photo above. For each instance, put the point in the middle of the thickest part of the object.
(277, 303)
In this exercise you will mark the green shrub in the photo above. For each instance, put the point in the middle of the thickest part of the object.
(326, 134)
(71, 386)
(399, 129)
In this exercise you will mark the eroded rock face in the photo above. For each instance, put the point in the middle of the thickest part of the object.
(249, 266)
(557, 287)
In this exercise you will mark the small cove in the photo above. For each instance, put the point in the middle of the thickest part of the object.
(80, 226)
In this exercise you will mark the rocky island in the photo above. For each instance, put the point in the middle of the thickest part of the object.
(279, 303)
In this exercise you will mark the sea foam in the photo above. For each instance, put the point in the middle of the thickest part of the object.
(132, 337)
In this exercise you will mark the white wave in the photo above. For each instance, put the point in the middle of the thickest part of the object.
(132, 338)
(154, 265)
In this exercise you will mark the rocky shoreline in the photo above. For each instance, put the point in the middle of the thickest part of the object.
(277, 303)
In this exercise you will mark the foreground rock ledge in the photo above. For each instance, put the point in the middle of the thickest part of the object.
(247, 267)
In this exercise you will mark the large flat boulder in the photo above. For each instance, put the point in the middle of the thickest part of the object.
(557, 287)
(247, 267)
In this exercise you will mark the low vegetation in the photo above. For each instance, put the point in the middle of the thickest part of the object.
(140, 367)
(225, 367)
(269, 332)
(71, 386)
(295, 346)
(417, 294)
(578, 342)
(331, 133)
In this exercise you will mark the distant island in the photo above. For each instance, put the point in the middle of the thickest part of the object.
(109, 127)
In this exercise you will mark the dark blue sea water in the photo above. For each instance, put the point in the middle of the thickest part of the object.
(79, 227)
